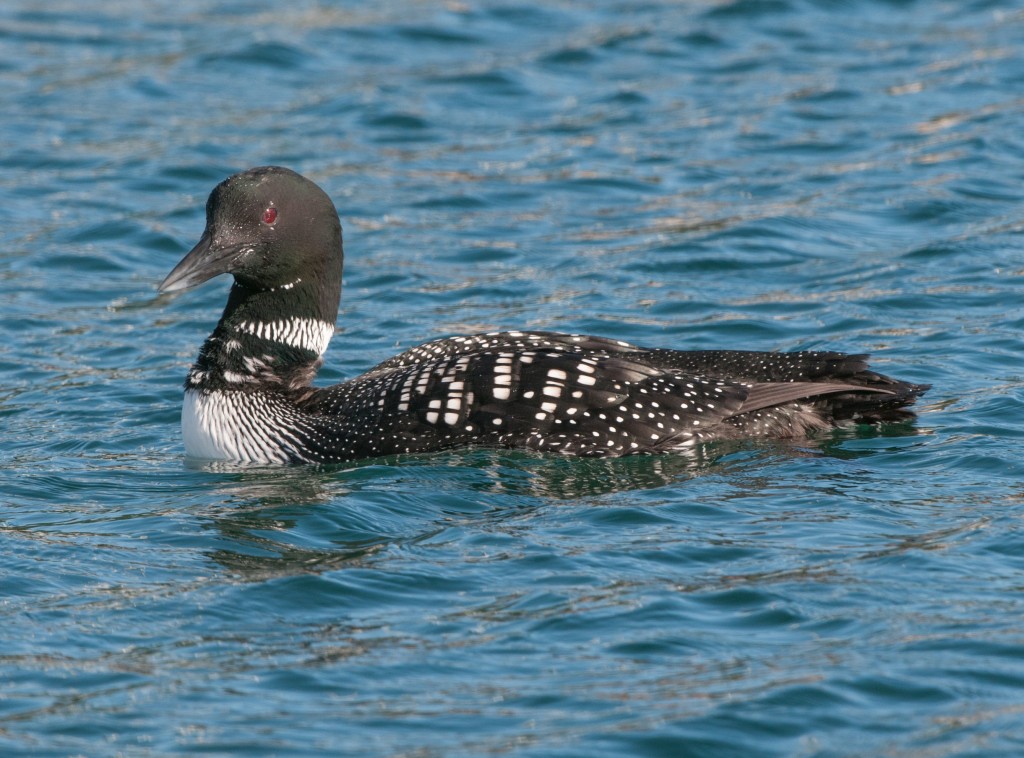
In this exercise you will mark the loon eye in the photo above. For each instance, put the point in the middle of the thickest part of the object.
(269, 216)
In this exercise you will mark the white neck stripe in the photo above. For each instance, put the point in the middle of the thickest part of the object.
(305, 333)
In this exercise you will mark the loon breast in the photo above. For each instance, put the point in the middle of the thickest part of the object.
(250, 427)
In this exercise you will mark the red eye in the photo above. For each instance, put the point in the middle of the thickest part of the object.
(270, 216)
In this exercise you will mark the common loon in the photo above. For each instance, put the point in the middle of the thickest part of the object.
(248, 396)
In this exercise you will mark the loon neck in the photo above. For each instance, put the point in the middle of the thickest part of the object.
(266, 337)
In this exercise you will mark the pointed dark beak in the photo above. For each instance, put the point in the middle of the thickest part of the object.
(202, 263)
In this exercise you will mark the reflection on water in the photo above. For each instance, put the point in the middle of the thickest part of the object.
(273, 517)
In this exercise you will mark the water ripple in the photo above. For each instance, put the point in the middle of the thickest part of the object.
(764, 175)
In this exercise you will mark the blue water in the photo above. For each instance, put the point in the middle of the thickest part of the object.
(762, 174)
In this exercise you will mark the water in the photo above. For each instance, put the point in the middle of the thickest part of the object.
(764, 175)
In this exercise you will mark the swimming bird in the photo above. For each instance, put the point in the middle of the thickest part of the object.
(249, 396)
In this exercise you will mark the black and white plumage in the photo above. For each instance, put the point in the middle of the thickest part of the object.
(249, 397)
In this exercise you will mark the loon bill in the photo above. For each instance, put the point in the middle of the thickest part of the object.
(248, 397)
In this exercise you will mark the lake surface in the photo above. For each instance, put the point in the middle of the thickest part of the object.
(759, 174)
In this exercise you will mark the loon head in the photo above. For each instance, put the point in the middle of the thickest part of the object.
(278, 234)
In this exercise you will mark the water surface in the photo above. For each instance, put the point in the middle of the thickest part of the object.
(763, 175)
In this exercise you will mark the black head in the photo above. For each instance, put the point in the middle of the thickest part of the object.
(271, 228)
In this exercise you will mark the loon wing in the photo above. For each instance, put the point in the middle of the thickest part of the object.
(768, 394)
(542, 398)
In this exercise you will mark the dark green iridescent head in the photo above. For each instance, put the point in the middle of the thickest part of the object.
(279, 235)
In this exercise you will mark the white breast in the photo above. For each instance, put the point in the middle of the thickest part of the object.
(229, 426)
